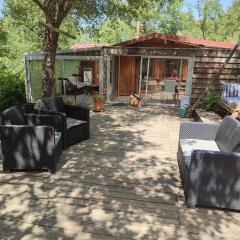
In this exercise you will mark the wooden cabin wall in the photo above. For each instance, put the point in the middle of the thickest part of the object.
(207, 64)
(158, 68)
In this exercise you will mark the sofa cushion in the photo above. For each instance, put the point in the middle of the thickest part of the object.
(13, 116)
(189, 145)
(72, 122)
(224, 133)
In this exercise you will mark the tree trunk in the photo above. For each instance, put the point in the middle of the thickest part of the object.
(50, 48)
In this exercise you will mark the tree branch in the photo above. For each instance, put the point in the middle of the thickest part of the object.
(44, 8)
(63, 10)
(41, 6)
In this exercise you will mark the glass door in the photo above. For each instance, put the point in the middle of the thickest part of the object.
(144, 74)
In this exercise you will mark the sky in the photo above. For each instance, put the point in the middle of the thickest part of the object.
(225, 4)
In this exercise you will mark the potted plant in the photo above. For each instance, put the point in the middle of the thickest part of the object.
(99, 102)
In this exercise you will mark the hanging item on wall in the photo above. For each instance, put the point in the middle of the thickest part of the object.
(135, 100)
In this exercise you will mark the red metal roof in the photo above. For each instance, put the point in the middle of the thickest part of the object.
(180, 39)
(87, 45)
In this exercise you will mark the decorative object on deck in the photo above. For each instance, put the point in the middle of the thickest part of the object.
(75, 119)
(30, 141)
(236, 112)
(209, 163)
(99, 102)
(184, 105)
(135, 100)
(230, 97)
(231, 94)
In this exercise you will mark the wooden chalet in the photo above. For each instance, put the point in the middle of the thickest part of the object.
(143, 66)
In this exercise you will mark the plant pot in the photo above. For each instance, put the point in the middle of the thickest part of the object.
(99, 106)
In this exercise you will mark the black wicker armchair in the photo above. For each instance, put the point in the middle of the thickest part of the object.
(209, 163)
(30, 142)
(75, 119)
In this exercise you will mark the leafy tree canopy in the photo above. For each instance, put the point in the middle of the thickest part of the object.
(111, 21)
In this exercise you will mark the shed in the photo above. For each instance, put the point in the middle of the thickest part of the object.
(144, 65)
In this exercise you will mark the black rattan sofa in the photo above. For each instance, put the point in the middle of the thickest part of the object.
(209, 163)
(75, 119)
(29, 141)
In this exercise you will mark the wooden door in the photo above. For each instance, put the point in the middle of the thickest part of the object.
(127, 81)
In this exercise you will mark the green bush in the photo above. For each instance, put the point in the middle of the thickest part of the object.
(210, 100)
(12, 89)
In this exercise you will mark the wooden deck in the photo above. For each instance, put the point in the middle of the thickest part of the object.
(123, 183)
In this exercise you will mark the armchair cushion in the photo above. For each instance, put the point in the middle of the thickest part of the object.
(52, 103)
(54, 121)
(78, 112)
(225, 134)
(72, 122)
(189, 145)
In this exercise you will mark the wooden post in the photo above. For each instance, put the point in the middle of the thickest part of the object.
(108, 78)
(119, 66)
(188, 89)
(113, 76)
(140, 78)
(28, 85)
(179, 80)
(101, 75)
(146, 90)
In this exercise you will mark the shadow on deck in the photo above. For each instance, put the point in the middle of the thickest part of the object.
(123, 183)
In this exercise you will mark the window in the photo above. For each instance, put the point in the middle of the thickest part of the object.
(87, 76)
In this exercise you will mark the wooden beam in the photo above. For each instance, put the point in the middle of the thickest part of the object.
(64, 57)
(101, 74)
(51, 28)
(28, 80)
(108, 78)
(188, 90)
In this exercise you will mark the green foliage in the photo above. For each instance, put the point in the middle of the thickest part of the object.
(230, 23)
(12, 89)
(210, 100)
(110, 22)
(112, 32)
(98, 98)
(210, 13)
